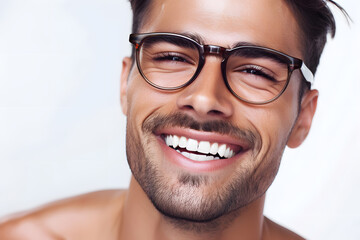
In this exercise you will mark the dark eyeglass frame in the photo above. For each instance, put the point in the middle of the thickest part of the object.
(137, 39)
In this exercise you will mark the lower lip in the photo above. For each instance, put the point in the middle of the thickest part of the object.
(198, 166)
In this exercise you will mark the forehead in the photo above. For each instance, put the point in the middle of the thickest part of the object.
(268, 23)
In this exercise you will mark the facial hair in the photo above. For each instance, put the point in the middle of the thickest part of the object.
(188, 197)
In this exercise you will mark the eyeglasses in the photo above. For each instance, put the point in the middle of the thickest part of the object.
(253, 74)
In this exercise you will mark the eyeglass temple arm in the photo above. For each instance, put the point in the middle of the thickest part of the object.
(134, 39)
(308, 75)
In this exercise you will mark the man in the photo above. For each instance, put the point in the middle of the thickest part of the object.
(213, 93)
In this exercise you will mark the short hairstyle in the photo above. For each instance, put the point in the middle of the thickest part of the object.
(314, 18)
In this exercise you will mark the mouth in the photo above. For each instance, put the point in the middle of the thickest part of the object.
(201, 150)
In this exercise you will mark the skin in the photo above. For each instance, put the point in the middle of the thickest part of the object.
(122, 214)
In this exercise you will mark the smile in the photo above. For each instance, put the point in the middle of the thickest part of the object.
(199, 150)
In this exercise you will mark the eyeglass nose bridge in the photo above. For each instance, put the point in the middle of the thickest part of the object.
(214, 50)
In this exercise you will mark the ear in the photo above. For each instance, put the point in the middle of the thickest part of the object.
(126, 67)
(304, 120)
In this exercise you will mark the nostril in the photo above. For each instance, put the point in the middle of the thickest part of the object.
(206, 109)
(215, 112)
(188, 107)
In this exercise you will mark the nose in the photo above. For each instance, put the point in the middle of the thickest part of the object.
(207, 96)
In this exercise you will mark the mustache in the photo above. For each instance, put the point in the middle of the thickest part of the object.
(155, 122)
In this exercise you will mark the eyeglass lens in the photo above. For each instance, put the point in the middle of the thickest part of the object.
(253, 74)
(168, 61)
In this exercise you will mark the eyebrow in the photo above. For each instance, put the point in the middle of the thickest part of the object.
(176, 41)
(198, 38)
(243, 43)
(258, 53)
(201, 40)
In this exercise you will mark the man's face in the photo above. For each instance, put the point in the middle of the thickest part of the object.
(184, 187)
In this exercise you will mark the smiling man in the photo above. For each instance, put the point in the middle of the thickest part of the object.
(213, 93)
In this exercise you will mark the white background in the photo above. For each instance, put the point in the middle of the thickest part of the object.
(62, 131)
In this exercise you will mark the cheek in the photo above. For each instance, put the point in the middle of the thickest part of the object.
(283, 114)
(143, 99)
(274, 121)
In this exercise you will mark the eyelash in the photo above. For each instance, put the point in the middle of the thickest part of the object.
(259, 71)
(167, 56)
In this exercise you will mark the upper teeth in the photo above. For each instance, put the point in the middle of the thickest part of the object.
(203, 147)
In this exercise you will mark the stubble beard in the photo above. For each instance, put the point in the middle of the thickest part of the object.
(185, 199)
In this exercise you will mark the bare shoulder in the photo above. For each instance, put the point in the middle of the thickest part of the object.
(82, 217)
(274, 231)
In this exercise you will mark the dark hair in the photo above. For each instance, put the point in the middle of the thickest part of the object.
(316, 21)
(314, 17)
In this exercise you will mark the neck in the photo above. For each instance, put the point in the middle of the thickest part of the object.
(141, 220)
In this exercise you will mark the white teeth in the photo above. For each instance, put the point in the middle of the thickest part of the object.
(175, 141)
(209, 157)
(168, 140)
(214, 148)
(222, 150)
(227, 153)
(186, 154)
(203, 147)
(182, 142)
(192, 145)
(194, 156)
(231, 153)
(197, 157)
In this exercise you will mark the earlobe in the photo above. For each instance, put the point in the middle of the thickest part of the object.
(126, 67)
(304, 120)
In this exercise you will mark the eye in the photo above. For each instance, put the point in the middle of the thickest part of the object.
(172, 57)
(257, 71)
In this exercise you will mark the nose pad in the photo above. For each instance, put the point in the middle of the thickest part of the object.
(207, 96)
